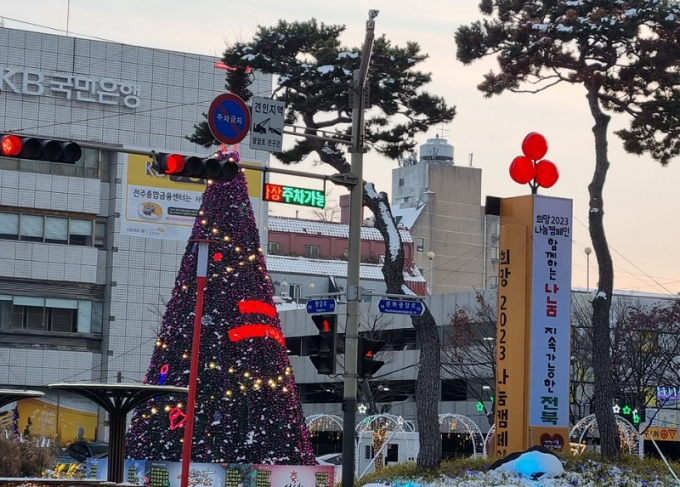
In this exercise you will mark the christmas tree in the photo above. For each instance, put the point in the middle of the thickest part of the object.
(247, 409)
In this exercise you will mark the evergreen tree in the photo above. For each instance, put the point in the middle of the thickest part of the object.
(247, 409)
(625, 54)
(315, 74)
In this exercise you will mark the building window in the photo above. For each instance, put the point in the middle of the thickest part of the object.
(9, 226)
(50, 314)
(407, 199)
(312, 251)
(100, 234)
(273, 247)
(52, 229)
(493, 282)
(401, 181)
(420, 244)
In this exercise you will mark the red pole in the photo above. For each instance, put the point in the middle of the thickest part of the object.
(201, 273)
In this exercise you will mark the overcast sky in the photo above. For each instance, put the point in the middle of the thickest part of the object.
(642, 213)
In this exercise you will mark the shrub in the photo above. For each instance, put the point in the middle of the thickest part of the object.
(23, 459)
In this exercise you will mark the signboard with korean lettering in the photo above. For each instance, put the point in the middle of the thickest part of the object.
(511, 342)
(267, 119)
(545, 356)
(401, 307)
(550, 312)
(156, 206)
(279, 193)
(229, 118)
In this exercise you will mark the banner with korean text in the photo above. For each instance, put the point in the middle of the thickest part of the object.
(511, 341)
(160, 206)
(550, 321)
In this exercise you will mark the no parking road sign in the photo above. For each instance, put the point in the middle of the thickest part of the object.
(229, 118)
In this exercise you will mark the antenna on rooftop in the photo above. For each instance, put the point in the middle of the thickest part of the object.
(470, 158)
(443, 132)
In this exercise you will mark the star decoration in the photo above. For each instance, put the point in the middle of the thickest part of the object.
(480, 406)
(362, 409)
(616, 409)
(626, 410)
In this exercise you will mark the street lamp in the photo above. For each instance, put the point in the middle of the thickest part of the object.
(587, 250)
(430, 255)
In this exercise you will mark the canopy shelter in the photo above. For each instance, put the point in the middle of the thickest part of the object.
(118, 400)
(8, 396)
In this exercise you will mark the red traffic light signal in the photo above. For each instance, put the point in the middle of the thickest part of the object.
(12, 145)
(321, 348)
(367, 350)
(195, 167)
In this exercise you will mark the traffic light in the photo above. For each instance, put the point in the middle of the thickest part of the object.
(322, 346)
(195, 167)
(367, 350)
(12, 145)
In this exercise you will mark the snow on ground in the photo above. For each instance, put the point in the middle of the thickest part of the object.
(533, 469)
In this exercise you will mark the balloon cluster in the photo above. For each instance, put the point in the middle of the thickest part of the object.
(531, 168)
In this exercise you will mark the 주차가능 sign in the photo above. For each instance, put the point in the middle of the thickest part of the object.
(294, 196)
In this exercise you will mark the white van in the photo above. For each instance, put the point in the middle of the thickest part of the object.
(399, 447)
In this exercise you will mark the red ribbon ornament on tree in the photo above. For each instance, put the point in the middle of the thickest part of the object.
(530, 168)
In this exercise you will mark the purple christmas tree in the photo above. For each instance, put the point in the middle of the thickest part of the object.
(247, 409)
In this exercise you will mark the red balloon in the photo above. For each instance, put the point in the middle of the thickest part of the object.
(534, 146)
(546, 173)
(522, 170)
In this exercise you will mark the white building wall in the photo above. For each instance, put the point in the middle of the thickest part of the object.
(134, 275)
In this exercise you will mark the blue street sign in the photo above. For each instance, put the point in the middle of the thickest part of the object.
(399, 307)
(321, 306)
(229, 118)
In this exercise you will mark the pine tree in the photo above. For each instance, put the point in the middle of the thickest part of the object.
(247, 409)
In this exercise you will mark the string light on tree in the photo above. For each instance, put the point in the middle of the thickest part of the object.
(246, 400)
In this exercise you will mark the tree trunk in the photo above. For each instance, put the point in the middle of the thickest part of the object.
(428, 381)
(602, 367)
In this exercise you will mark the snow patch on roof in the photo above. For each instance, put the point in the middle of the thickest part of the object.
(326, 229)
(284, 264)
(407, 217)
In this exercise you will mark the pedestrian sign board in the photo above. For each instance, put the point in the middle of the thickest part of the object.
(317, 306)
(401, 307)
(229, 118)
(266, 132)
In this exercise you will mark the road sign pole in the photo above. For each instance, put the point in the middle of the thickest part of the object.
(354, 258)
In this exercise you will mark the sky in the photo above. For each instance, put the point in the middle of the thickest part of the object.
(641, 199)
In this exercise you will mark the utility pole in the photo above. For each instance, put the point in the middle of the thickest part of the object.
(354, 291)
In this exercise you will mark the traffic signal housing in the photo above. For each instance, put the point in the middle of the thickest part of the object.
(322, 347)
(367, 363)
(195, 167)
(16, 146)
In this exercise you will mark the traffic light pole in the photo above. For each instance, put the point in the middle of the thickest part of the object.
(354, 257)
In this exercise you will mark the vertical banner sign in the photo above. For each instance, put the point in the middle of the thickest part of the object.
(510, 435)
(550, 322)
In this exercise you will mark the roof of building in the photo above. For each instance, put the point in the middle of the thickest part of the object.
(407, 217)
(338, 268)
(326, 229)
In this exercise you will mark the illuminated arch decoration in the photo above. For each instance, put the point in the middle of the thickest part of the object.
(628, 435)
(488, 438)
(387, 426)
(327, 423)
(459, 424)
